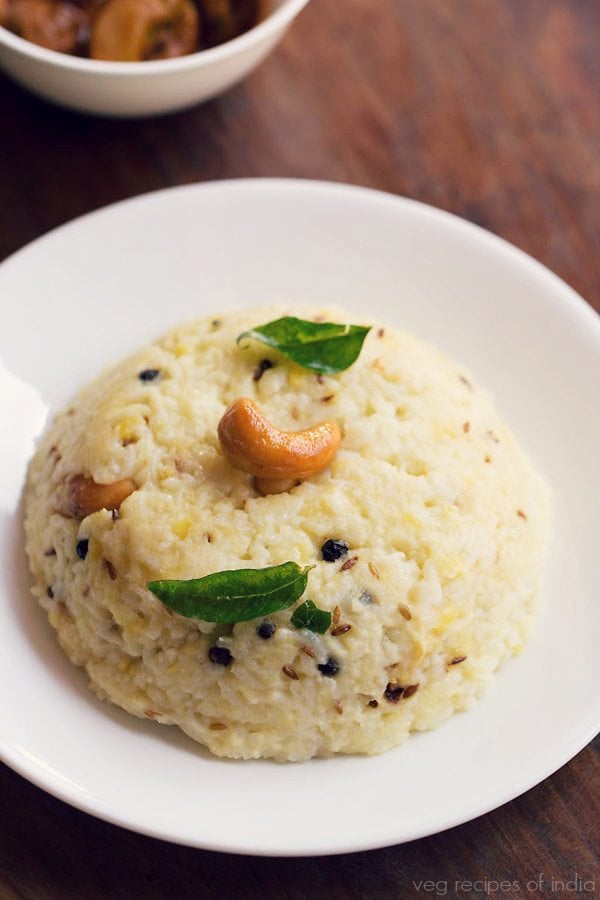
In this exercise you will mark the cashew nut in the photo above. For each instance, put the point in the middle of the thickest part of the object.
(277, 458)
(85, 496)
(133, 30)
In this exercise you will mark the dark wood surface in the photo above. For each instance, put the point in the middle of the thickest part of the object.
(488, 108)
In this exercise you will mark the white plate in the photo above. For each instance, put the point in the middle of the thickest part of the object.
(96, 289)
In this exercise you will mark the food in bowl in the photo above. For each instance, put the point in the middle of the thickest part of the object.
(290, 537)
(128, 30)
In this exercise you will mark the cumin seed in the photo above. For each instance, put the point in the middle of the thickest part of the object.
(336, 615)
(349, 563)
(409, 691)
(290, 672)
(112, 572)
(217, 726)
(405, 612)
(340, 629)
(456, 660)
(374, 570)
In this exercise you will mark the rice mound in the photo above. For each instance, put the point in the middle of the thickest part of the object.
(445, 519)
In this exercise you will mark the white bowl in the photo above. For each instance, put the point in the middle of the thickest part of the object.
(143, 88)
(135, 270)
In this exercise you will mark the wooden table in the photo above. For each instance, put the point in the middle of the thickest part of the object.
(488, 108)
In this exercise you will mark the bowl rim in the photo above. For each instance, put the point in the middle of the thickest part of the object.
(274, 21)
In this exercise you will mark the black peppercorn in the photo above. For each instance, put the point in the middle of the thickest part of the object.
(82, 548)
(332, 550)
(329, 668)
(393, 692)
(261, 368)
(149, 374)
(266, 630)
(220, 655)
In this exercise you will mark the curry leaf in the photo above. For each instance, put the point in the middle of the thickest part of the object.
(310, 616)
(235, 595)
(323, 347)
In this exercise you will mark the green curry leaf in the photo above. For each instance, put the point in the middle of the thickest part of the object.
(323, 347)
(310, 616)
(235, 595)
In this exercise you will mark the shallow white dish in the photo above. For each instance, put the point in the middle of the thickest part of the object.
(143, 88)
(96, 289)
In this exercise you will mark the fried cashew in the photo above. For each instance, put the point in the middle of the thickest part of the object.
(53, 24)
(277, 459)
(85, 496)
(135, 30)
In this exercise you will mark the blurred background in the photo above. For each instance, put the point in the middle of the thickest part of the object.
(487, 108)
